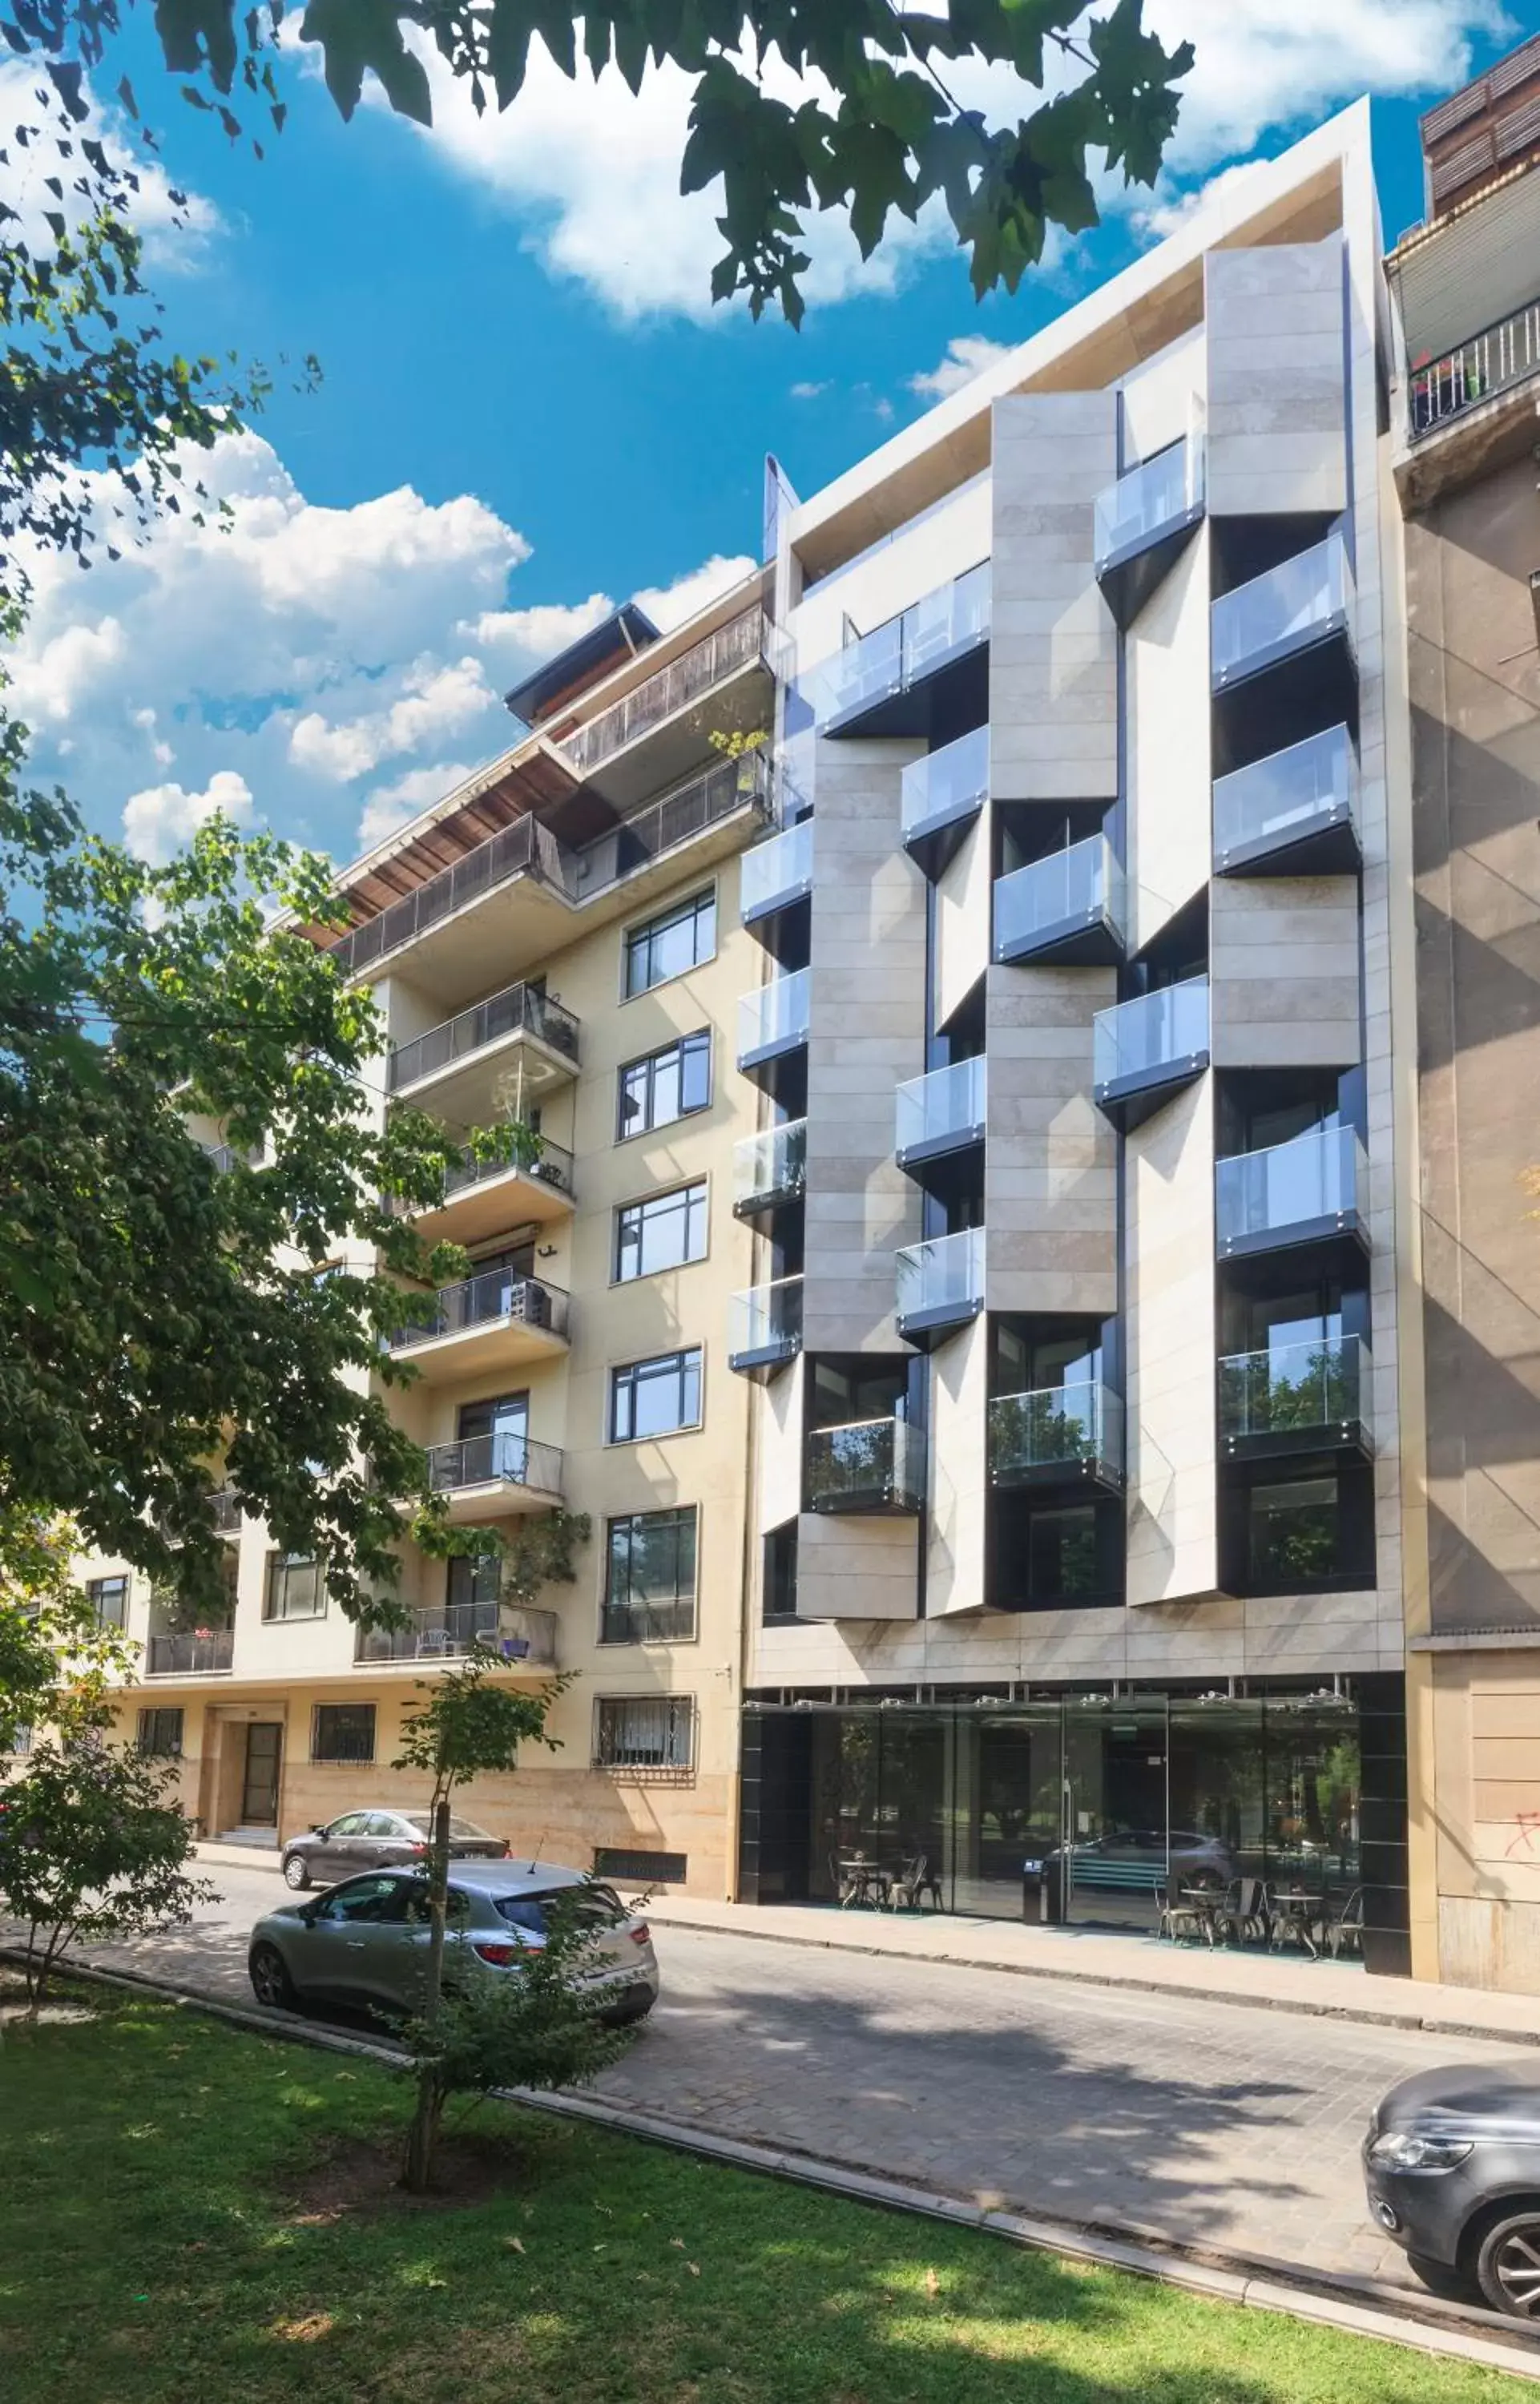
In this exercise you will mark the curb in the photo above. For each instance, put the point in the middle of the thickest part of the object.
(1448, 2330)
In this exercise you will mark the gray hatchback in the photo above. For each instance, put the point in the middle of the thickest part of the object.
(378, 1840)
(364, 1943)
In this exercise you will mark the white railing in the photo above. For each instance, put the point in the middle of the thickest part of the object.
(1475, 370)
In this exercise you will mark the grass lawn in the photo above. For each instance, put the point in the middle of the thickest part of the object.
(168, 2231)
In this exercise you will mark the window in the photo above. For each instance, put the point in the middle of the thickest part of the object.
(650, 1578)
(651, 1735)
(1295, 1531)
(160, 1733)
(475, 1583)
(779, 1596)
(665, 1086)
(295, 1587)
(1062, 1554)
(108, 1598)
(662, 1233)
(21, 1736)
(377, 1899)
(667, 945)
(342, 1732)
(655, 1397)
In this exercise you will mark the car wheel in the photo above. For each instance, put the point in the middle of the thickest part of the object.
(296, 1872)
(1439, 2278)
(270, 1980)
(1508, 2264)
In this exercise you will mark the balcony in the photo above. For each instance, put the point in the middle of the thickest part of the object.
(769, 1169)
(1477, 371)
(773, 1026)
(1292, 814)
(1143, 1051)
(907, 673)
(224, 1509)
(526, 1639)
(1313, 1190)
(777, 876)
(526, 849)
(938, 1122)
(1282, 654)
(519, 1032)
(206, 1653)
(940, 795)
(1057, 1436)
(873, 1466)
(765, 1329)
(938, 1286)
(481, 1198)
(1308, 1397)
(665, 711)
(488, 1476)
(493, 1322)
(1143, 522)
(1067, 907)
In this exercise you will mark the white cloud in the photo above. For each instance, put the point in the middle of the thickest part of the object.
(436, 700)
(808, 391)
(157, 821)
(178, 227)
(669, 604)
(520, 639)
(390, 806)
(967, 356)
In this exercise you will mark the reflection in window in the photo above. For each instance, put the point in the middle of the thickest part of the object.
(1294, 1531)
(667, 945)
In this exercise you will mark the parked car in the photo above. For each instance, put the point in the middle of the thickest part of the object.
(1453, 2166)
(1136, 1861)
(364, 1942)
(377, 1841)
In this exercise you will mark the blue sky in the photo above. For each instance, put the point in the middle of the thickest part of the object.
(530, 409)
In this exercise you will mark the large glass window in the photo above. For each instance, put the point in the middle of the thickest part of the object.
(296, 1589)
(658, 1397)
(650, 1578)
(342, 1732)
(662, 1233)
(779, 1594)
(643, 1733)
(1062, 1554)
(1293, 1532)
(108, 1598)
(665, 1086)
(160, 1733)
(476, 1579)
(666, 946)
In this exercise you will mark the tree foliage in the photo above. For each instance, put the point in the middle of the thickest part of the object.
(798, 106)
(541, 1552)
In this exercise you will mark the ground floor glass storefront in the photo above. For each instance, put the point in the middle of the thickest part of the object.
(1126, 1799)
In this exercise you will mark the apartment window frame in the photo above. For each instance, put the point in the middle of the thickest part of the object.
(654, 1214)
(332, 1718)
(640, 939)
(645, 1739)
(686, 1362)
(654, 1604)
(282, 1564)
(148, 1738)
(649, 1066)
(97, 1592)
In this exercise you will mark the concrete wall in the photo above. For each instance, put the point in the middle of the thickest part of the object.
(1486, 1712)
(1172, 1347)
(1283, 972)
(1277, 414)
(965, 911)
(1169, 818)
(1050, 1162)
(850, 1566)
(959, 1476)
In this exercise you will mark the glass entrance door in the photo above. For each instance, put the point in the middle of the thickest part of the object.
(1114, 1815)
(260, 1786)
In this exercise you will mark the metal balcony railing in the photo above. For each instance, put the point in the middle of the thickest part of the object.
(1160, 1030)
(478, 1301)
(1318, 1387)
(204, 1652)
(941, 1111)
(224, 1506)
(553, 1167)
(519, 1010)
(1075, 1425)
(1288, 789)
(499, 1458)
(676, 817)
(866, 1464)
(1476, 370)
(1142, 504)
(766, 1323)
(1318, 1179)
(709, 663)
(770, 1166)
(1282, 610)
(525, 849)
(941, 1278)
(777, 1013)
(774, 875)
(897, 653)
(523, 1637)
(1070, 887)
(946, 783)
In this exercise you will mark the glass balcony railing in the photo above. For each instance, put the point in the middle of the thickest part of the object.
(1318, 1389)
(1159, 1034)
(946, 784)
(1141, 506)
(519, 1010)
(940, 1281)
(1317, 1180)
(866, 1465)
(479, 1301)
(942, 1111)
(776, 873)
(1265, 807)
(1074, 1427)
(775, 1016)
(765, 1324)
(1282, 610)
(900, 652)
(501, 1457)
(770, 1168)
(1066, 891)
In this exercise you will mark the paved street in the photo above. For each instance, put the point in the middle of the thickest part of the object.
(1215, 2125)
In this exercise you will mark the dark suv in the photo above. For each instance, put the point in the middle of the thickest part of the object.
(1453, 2166)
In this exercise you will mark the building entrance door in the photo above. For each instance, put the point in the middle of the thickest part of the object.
(260, 1785)
(1115, 1821)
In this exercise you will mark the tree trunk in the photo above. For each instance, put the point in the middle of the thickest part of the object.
(424, 2120)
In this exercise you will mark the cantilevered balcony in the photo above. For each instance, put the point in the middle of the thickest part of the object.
(486, 1476)
(1143, 1051)
(660, 727)
(483, 1197)
(1311, 1191)
(772, 1024)
(1057, 1436)
(775, 876)
(1304, 1397)
(490, 1323)
(938, 1123)
(202, 1653)
(1066, 907)
(1484, 366)
(940, 797)
(895, 679)
(525, 1639)
(1142, 522)
(770, 1168)
(1292, 814)
(766, 1328)
(876, 1466)
(519, 1034)
(1282, 654)
(938, 1286)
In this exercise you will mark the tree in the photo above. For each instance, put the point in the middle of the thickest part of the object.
(541, 1553)
(466, 1727)
(797, 105)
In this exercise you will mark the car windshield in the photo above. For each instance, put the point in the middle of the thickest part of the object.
(423, 1823)
(596, 1904)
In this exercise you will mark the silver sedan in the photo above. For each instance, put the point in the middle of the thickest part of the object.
(378, 1840)
(364, 1943)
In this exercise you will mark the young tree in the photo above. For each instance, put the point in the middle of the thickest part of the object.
(467, 1727)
